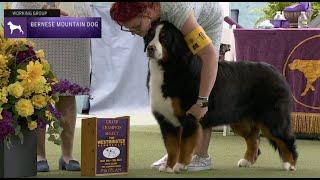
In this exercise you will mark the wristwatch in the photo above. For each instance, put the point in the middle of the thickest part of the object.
(203, 101)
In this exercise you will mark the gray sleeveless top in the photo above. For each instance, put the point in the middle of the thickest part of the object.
(208, 14)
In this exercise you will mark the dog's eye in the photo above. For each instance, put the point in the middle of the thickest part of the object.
(162, 37)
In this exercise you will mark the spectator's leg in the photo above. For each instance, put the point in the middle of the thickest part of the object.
(67, 107)
(41, 148)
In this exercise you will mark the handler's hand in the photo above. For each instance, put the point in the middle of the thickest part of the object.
(197, 111)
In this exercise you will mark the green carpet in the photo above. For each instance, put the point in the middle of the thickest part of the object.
(146, 146)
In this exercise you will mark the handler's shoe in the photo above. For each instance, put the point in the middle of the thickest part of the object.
(73, 165)
(42, 166)
(197, 163)
(200, 164)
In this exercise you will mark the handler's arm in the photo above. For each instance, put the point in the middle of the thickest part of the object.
(207, 55)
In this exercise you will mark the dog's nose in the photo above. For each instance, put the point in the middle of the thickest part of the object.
(151, 49)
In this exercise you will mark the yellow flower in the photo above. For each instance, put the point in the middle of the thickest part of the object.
(27, 88)
(24, 107)
(34, 72)
(39, 101)
(48, 115)
(46, 66)
(42, 88)
(15, 89)
(4, 71)
(3, 61)
(32, 79)
(38, 87)
(21, 41)
(6, 44)
(3, 95)
(1, 33)
(32, 125)
(4, 80)
(40, 54)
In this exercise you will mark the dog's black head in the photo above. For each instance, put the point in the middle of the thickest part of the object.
(165, 45)
(164, 41)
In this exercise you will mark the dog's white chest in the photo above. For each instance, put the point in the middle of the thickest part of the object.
(157, 101)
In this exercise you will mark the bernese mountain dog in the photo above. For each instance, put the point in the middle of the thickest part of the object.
(251, 97)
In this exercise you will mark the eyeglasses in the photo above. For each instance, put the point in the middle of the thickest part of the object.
(132, 30)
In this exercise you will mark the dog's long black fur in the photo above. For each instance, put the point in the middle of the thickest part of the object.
(242, 90)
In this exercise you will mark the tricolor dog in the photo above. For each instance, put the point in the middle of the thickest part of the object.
(250, 97)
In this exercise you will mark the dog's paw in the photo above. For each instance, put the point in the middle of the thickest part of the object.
(287, 166)
(165, 168)
(178, 167)
(244, 163)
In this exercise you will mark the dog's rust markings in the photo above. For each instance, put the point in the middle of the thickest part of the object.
(310, 70)
(252, 151)
(164, 55)
(250, 133)
(172, 143)
(176, 106)
(188, 146)
(285, 154)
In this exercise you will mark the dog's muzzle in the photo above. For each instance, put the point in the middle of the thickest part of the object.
(151, 50)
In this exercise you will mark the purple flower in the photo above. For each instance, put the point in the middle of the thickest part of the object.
(6, 124)
(61, 87)
(54, 112)
(40, 122)
(23, 55)
(65, 86)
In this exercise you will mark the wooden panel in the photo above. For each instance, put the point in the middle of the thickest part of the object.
(88, 146)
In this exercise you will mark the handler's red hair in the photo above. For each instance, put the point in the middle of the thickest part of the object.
(125, 11)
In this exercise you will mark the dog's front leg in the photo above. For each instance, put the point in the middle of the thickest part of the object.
(172, 144)
(190, 138)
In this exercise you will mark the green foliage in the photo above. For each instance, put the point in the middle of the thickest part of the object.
(273, 7)
(315, 9)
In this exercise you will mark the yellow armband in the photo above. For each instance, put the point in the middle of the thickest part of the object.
(197, 40)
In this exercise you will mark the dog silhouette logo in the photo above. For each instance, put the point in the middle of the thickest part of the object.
(14, 27)
(310, 70)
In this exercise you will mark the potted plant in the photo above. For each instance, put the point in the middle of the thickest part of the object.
(28, 93)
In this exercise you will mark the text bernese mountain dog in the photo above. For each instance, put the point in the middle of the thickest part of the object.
(249, 96)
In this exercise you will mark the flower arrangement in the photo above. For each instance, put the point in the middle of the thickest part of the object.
(29, 91)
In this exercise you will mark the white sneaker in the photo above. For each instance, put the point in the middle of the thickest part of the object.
(200, 164)
(197, 163)
(158, 163)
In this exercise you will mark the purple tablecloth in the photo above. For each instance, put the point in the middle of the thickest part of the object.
(296, 54)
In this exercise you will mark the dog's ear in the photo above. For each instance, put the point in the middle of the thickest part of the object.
(175, 41)
(145, 38)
